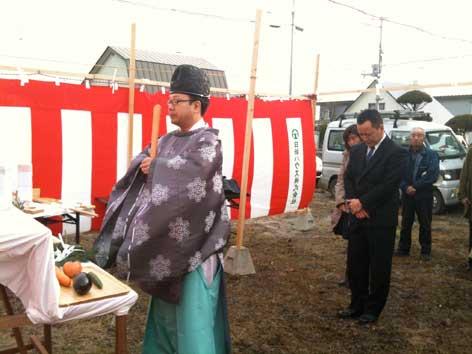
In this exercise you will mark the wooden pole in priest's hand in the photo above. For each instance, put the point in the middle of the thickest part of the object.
(238, 259)
(156, 118)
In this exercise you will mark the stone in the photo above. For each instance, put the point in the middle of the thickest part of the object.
(238, 261)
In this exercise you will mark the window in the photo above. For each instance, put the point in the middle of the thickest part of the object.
(402, 138)
(335, 140)
(445, 144)
(381, 106)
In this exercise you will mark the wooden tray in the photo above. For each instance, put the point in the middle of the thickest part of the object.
(112, 287)
(46, 200)
(32, 210)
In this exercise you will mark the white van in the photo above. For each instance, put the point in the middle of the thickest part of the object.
(439, 138)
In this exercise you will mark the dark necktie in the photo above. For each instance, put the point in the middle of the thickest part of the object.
(369, 154)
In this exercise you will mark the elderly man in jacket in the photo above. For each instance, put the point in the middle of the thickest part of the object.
(421, 172)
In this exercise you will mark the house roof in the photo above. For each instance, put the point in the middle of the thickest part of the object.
(451, 91)
(158, 66)
(164, 58)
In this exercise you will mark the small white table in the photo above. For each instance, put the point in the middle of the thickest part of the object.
(66, 215)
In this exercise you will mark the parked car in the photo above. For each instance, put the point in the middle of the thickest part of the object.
(439, 138)
(319, 169)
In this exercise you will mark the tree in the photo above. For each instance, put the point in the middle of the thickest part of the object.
(414, 100)
(461, 123)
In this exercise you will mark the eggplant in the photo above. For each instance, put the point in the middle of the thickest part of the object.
(81, 283)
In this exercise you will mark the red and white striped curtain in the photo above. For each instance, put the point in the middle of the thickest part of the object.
(76, 140)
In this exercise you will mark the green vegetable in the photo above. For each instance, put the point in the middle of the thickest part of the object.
(95, 279)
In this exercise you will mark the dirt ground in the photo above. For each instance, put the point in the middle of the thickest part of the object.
(290, 304)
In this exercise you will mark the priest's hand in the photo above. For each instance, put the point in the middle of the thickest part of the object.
(145, 165)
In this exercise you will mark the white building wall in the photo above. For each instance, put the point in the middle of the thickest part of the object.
(369, 97)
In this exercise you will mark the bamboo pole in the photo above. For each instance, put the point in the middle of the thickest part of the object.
(315, 87)
(132, 76)
(247, 138)
(156, 117)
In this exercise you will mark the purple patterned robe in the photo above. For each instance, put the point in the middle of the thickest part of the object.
(161, 227)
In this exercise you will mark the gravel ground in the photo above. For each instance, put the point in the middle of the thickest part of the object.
(289, 305)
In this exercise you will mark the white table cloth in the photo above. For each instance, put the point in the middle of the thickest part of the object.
(27, 269)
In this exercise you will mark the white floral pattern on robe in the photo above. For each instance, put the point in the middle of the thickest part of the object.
(159, 267)
(176, 162)
(224, 213)
(141, 233)
(179, 229)
(208, 152)
(209, 220)
(160, 194)
(196, 189)
(217, 183)
(195, 261)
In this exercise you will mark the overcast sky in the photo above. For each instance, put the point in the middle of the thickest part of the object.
(71, 35)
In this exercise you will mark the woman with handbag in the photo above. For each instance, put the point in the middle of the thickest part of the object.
(339, 217)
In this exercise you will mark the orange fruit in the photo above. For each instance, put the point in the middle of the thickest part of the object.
(71, 269)
(63, 279)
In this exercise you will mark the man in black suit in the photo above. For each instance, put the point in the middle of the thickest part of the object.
(371, 181)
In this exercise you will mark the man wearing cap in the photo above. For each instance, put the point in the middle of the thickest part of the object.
(166, 225)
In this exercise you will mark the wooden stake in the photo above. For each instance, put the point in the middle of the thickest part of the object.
(132, 76)
(156, 117)
(247, 138)
(315, 87)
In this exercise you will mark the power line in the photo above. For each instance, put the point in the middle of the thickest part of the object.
(429, 60)
(352, 67)
(186, 12)
(398, 23)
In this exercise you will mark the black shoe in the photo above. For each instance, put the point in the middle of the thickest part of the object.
(367, 318)
(401, 253)
(425, 257)
(349, 313)
(344, 283)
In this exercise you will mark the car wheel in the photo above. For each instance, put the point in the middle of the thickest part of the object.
(438, 202)
(332, 185)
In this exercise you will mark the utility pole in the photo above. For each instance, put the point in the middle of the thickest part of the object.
(379, 68)
(291, 47)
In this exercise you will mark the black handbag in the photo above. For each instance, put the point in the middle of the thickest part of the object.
(231, 189)
(341, 228)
